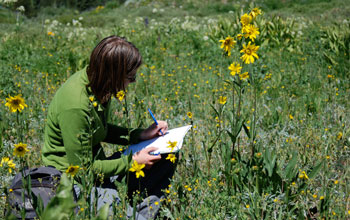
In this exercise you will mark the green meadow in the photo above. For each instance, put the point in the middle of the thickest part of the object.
(270, 141)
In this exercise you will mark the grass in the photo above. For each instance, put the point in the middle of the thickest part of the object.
(291, 114)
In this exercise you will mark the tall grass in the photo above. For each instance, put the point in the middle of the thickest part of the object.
(297, 105)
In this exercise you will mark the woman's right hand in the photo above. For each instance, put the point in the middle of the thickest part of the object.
(143, 157)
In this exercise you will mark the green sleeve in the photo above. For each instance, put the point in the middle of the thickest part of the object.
(117, 135)
(74, 126)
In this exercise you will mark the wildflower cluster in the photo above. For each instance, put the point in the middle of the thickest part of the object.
(171, 145)
(93, 100)
(120, 95)
(249, 50)
(7, 164)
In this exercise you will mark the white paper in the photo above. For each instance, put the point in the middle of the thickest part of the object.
(161, 142)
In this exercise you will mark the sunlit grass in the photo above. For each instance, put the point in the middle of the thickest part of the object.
(301, 103)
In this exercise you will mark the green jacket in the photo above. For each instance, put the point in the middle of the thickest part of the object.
(71, 120)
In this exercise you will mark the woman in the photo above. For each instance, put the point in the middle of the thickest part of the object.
(77, 122)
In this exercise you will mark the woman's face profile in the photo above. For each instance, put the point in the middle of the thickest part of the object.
(130, 78)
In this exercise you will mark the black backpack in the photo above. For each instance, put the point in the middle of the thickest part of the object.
(44, 181)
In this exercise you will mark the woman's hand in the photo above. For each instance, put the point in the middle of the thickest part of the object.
(154, 130)
(143, 157)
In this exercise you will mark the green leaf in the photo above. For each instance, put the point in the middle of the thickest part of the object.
(329, 58)
(228, 81)
(102, 213)
(37, 203)
(269, 161)
(210, 149)
(238, 126)
(62, 204)
(216, 112)
(167, 213)
(10, 216)
(290, 169)
(315, 170)
(233, 137)
(246, 130)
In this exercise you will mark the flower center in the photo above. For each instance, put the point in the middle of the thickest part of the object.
(248, 51)
(71, 170)
(227, 42)
(15, 102)
(20, 149)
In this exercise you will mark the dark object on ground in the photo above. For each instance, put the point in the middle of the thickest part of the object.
(43, 181)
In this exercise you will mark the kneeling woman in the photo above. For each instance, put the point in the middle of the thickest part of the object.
(77, 123)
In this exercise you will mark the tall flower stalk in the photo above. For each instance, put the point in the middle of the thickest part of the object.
(241, 78)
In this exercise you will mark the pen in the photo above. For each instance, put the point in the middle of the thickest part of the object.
(154, 119)
(154, 154)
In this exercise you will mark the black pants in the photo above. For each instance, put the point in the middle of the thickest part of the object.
(151, 188)
(156, 179)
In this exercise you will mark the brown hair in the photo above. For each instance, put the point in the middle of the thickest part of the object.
(112, 60)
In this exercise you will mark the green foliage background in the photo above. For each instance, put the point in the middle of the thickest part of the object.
(302, 90)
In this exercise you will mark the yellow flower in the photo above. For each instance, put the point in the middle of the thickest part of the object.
(15, 103)
(249, 53)
(339, 136)
(244, 76)
(189, 114)
(6, 162)
(239, 36)
(94, 104)
(99, 8)
(246, 19)
(20, 150)
(250, 31)
(291, 117)
(72, 170)
(255, 12)
(321, 197)
(171, 157)
(303, 175)
(222, 100)
(314, 195)
(91, 98)
(247, 206)
(137, 168)
(50, 34)
(172, 144)
(227, 44)
(120, 95)
(235, 68)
